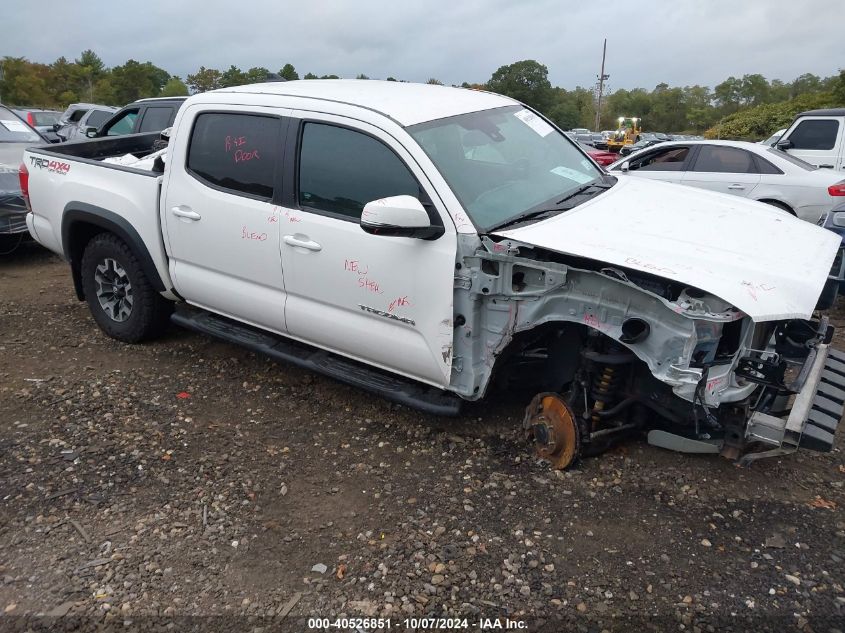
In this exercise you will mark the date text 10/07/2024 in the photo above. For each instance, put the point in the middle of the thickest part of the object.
(416, 624)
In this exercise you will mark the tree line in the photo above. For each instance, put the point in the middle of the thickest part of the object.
(737, 107)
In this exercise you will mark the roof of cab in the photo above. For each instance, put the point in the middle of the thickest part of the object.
(405, 103)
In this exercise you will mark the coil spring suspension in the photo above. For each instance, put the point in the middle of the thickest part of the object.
(608, 373)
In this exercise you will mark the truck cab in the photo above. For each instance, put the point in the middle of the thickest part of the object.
(817, 137)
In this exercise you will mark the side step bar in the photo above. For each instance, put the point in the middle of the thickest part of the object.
(394, 388)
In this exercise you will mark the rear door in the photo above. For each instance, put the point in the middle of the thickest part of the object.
(665, 163)
(383, 300)
(724, 169)
(817, 140)
(218, 209)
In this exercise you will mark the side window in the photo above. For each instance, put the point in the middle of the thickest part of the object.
(236, 152)
(765, 167)
(668, 159)
(76, 115)
(815, 134)
(124, 125)
(98, 117)
(155, 119)
(341, 170)
(728, 160)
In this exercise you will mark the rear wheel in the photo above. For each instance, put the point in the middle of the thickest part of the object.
(122, 300)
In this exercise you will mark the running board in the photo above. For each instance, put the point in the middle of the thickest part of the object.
(682, 444)
(394, 388)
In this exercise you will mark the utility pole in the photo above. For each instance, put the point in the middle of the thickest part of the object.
(602, 78)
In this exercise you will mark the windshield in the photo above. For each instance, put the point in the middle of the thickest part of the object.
(13, 130)
(502, 162)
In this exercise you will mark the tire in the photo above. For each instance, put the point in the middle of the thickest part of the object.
(122, 300)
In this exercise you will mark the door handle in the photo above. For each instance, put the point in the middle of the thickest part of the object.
(185, 212)
(735, 186)
(304, 242)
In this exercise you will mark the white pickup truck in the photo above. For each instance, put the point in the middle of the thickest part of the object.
(431, 243)
(817, 137)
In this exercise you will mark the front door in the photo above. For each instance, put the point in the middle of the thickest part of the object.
(817, 140)
(383, 300)
(222, 228)
(666, 163)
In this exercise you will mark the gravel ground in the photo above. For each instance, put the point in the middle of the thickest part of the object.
(144, 486)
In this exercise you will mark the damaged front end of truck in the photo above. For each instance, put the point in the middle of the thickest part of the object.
(612, 350)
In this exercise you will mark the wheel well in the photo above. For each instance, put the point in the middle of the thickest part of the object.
(82, 222)
(79, 234)
(778, 204)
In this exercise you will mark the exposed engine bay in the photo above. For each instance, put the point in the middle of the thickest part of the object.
(611, 352)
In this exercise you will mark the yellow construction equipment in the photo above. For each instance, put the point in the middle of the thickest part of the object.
(627, 133)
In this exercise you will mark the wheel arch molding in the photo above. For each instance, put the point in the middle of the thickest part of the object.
(82, 221)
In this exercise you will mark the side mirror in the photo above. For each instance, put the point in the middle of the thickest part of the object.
(784, 145)
(398, 216)
(56, 126)
(625, 166)
(91, 132)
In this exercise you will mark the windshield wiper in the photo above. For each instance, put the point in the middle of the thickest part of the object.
(558, 207)
(524, 217)
(584, 189)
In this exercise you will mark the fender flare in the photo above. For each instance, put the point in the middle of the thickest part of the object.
(76, 213)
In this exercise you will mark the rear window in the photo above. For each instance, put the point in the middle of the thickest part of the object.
(815, 134)
(156, 119)
(235, 152)
(45, 118)
(792, 159)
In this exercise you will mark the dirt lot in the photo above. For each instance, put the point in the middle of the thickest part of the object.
(141, 484)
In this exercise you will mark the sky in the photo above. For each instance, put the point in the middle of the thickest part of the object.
(680, 42)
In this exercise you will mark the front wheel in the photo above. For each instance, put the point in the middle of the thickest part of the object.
(122, 300)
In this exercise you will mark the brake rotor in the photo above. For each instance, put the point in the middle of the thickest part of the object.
(551, 425)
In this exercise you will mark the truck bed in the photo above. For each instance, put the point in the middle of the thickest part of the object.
(96, 150)
(70, 182)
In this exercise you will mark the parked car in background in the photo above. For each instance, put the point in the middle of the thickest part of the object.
(773, 139)
(585, 138)
(42, 121)
(818, 137)
(580, 130)
(602, 157)
(15, 137)
(599, 141)
(749, 170)
(80, 116)
(647, 139)
(835, 221)
(144, 115)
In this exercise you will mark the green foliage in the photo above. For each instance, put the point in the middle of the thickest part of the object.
(288, 73)
(205, 79)
(743, 107)
(526, 81)
(232, 77)
(174, 87)
(432, 81)
(763, 120)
